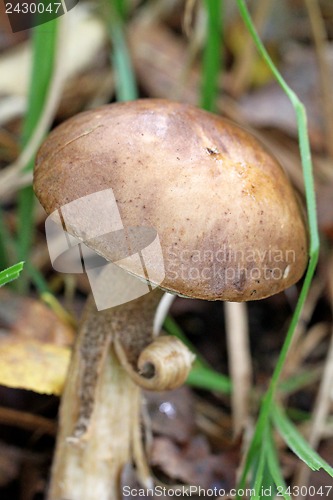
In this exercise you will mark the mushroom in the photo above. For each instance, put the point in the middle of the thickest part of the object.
(230, 228)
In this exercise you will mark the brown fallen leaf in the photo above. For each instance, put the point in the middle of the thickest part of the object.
(325, 208)
(34, 345)
(17, 464)
(155, 49)
(85, 67)
(270, 107)
(31, 319)
(10, 460)
(193, 464)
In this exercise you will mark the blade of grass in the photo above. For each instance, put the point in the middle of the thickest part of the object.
(297, 443)
(259, 474)
(206, 378)
(125, 83)
(314, 239)
(212, 56)
(5, 240)
(10, 274)
(44, 49)
(121, 7)
(298, 415)
(37, 279)
(171, 327)
(267, 403)
(274, 467)
(300, 380)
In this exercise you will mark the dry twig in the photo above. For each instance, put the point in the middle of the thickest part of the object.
(239, 362)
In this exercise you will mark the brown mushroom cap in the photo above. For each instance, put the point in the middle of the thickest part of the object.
(228, 221)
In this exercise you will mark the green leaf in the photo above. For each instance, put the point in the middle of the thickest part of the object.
(300, 380)
(173, 328)
(212, 56)
(10, 274)
(44, 43)
(206, 378)
(263, 483)
(259, 474)
(297, 443)
(125, 83)
(274, 466)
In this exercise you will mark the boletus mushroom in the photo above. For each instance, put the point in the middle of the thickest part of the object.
(230, 228)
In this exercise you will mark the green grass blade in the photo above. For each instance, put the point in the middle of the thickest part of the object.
(206, 378)
(314, 240)
(298, 415)
(297, 443)
(44, 41)
(121, 7)
(171, 327)
(259, 474)
(212, 56)
(126, 89)
(274, 467)
(267, 478)
(10, 274)
(300, 380)
(44, 49)
(267, 404)
(37, 279)
(5, 239)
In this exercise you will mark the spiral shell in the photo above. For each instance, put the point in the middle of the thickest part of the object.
(162, 365)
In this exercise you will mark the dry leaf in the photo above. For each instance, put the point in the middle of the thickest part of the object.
(34, 345)
(325, 208)
(84, 40)
(194, 464)
(10, 461)
(270, 107)
(33, 366)
(155, 49)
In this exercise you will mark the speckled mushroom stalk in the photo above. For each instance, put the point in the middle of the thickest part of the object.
(99, 425)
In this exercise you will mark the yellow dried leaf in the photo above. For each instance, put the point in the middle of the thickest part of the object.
(26, 364)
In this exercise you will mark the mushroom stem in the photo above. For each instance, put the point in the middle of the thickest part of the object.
(100, 408)
(99, 425)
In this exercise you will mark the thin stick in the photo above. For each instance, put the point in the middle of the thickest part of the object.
(240, 366)
(320, 38)
(28, 421)
(162, 311)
